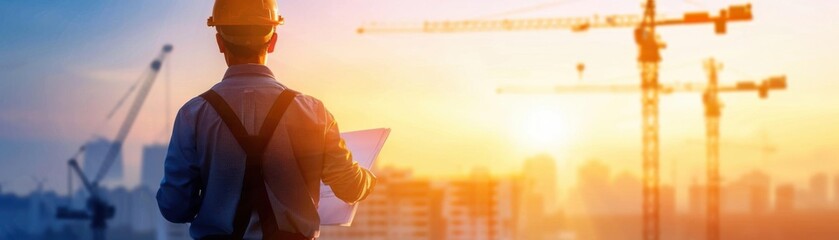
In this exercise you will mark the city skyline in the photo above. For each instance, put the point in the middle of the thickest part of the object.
(592, 175)
(151, 173)
(413, 207)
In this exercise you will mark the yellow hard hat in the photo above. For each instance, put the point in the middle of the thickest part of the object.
(245, 12)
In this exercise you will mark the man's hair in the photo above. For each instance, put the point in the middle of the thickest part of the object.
(257, 38)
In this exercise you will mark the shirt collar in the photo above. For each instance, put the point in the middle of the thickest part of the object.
(247, 69)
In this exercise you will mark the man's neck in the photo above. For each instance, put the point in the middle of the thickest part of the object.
(231, 60)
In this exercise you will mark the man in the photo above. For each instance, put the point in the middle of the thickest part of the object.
(247, 157)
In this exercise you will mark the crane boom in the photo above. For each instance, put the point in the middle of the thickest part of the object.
(98, 209)
(732, 13)
(131, 117)
(770, 83)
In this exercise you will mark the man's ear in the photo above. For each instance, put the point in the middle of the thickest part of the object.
(220, 43)
(272, 43)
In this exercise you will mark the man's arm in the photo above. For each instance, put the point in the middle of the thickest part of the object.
(179, 194)
(349, 181)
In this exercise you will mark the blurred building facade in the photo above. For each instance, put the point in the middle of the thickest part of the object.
(483, 206)
(748, 194)
(151, 171)
(816, 197)
(402, 207)
(94, 155)
(148, 216)
(539, 196)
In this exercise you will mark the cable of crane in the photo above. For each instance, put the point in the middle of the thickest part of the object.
(696, 3)
(168, 94)
(127, 94)
(116, 107)
(743, 74)
(526, 9)
(111, 113)
(629, 76)
(167, 78)
(131, 117)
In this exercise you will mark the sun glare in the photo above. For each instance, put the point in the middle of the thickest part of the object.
(540, 130)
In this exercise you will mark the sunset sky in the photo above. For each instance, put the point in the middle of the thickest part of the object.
(65, 63)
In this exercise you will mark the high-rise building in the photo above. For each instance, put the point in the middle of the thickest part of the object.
(836, 191)
(144, 211)
(785, 198)
(538, 196)
(749, 194)
(539, 181)
(150, 176)
(667, 199)
(759, 191)
(696, 198)
(152, 170)
(593, 194)
(123, 203)
(594, 176)
(625, 187)
(481, 207)
(816, 197)
(94, 157)
(400, 207)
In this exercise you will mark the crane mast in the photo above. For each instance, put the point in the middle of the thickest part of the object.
(713, 108)
(648, 59)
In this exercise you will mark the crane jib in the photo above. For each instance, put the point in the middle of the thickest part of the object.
(98, 209)
(131, 117)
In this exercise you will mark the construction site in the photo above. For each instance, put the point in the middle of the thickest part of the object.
(530, 120)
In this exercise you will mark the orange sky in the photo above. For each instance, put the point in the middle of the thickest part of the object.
(437, 92)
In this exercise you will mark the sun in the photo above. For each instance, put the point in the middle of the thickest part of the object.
(540, 129)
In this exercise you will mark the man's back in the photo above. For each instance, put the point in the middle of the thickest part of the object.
(205, 165)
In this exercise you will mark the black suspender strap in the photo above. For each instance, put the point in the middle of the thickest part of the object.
(254, 194)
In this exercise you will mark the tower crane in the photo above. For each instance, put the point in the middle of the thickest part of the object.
(575, 24)
(649, 44)
(713, 109)
(98, 209)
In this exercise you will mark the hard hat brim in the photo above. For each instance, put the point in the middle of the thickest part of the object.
(246, 35)
(212, 22)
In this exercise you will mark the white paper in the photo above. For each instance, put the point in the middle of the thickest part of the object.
(365, 146)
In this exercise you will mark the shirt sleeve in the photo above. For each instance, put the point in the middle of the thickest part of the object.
(179, 195)
(349, 181)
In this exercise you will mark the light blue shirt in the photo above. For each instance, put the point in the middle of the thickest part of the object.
(204, 166)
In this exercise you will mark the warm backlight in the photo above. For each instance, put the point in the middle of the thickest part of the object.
(540, 129)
